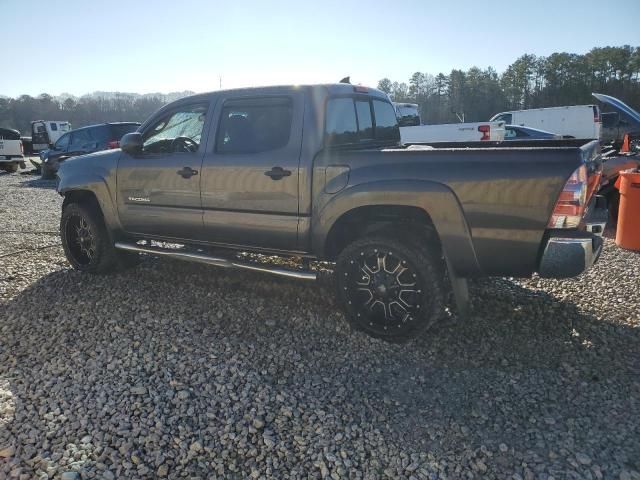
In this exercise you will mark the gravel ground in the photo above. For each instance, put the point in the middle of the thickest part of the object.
(183, 371)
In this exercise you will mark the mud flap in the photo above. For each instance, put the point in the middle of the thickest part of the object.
(460, 291)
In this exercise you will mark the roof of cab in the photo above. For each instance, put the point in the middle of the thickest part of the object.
(330, 88)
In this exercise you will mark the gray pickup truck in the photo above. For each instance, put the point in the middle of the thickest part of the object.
(318, 173)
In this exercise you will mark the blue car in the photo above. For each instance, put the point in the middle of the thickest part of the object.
(82, 141)
(517, 132)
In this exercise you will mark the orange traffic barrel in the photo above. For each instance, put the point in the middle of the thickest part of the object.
(628, 232)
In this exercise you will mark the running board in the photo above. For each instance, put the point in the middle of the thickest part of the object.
(211, 260)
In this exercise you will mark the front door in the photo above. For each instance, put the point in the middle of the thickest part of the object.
(250, 173)
(159, 190)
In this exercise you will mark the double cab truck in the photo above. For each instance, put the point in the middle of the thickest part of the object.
(319, 173)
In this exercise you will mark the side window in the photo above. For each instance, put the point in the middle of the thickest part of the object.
(179, 131)
(341, 125)
(506, 117)
(386, 121)
(254, 125)
(365, 122)
(54, 127)
(80, 137)
(63, 142)
(510, 133)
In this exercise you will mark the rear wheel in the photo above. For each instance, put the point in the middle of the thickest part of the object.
(86, 241)
(391, 289)
(11, 168)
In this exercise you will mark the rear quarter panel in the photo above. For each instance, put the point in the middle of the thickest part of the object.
(504, 197)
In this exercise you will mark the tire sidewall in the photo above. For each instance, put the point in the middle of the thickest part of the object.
(95, 224)
(429, 274)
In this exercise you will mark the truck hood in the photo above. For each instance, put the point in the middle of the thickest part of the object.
(100, 162)
(619, 106)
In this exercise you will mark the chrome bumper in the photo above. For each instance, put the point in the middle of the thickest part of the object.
(565, 257)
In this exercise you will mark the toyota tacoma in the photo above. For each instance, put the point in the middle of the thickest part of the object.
(319, 173)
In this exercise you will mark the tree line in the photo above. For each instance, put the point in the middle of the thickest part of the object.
(475, 94)
(529, 82)
(100, 107)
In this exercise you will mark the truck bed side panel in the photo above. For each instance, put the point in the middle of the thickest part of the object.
(506, 195)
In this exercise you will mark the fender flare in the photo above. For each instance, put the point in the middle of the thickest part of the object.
(435, 199)
(96, 184)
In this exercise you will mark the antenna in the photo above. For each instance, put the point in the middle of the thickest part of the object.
(220, 78)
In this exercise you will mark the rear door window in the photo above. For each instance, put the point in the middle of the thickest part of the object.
(119, 131)
(254, 125)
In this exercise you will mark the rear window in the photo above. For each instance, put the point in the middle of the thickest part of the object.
(255, 125)
(350, 121)
(119, 131)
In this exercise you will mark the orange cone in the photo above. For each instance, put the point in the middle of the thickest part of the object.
(625, 144)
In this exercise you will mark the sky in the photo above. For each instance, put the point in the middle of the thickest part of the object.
(82, 46)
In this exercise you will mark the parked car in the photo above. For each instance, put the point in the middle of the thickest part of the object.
(82, 141)
(624, 120)
(318, 172)
(407, 114)
(453, 132)
(11, 150)
(577, 121)
(44, 133)
(516, 132)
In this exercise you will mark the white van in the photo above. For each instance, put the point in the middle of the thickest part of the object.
(11, 152)
(578, 121)
(44, 133)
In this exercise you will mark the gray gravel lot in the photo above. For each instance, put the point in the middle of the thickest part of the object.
(182, 371)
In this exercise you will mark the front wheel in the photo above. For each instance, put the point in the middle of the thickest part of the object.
(391, 289)
(86, 241)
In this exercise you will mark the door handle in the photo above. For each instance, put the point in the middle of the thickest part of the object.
(276, 173)
(187, 172)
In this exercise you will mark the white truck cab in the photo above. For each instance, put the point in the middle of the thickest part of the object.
(44, 133)
(578, 121)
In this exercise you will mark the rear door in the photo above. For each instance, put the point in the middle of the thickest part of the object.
(158, 191)
(250, 172)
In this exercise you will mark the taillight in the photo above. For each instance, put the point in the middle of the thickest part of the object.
(113, 144)
(596, 114)
(21, 148)
(572, 200)
(486, 132)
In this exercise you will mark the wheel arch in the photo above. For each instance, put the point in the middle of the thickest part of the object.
(430, 205)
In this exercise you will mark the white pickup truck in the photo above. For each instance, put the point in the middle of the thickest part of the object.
(412, 130)
(11, 150)
(453, 132)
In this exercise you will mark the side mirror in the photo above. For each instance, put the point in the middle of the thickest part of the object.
(131, 143)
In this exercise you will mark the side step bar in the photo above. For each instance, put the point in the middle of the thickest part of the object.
(211, 260)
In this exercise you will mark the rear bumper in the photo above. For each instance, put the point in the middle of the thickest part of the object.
(566, 257)
(570, 253)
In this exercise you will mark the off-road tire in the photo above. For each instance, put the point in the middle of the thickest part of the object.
(104, 258)
(407, 312)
